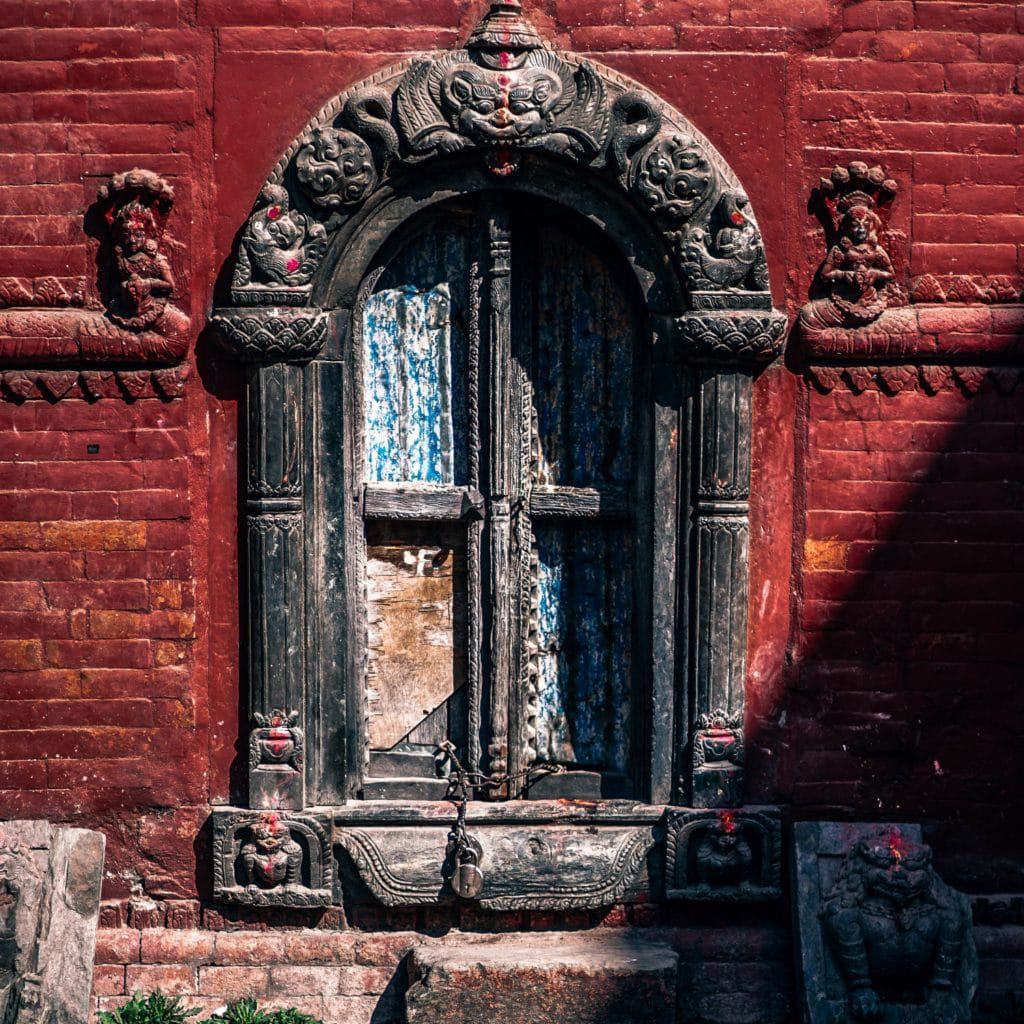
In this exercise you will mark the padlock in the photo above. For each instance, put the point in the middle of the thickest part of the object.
(468, 879)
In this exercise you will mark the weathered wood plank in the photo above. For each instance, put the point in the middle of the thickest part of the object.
(415, 361)
(584, 641)
(414, 597)
(579, 502)
(582, 365)
(421, 502)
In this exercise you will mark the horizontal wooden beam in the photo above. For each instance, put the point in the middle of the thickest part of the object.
(579, 502)
(426, 502)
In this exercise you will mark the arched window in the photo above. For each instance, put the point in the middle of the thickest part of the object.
(502, 470)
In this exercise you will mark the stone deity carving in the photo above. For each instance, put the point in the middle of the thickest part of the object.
(272, 858)
(857, 278)
(897, 932)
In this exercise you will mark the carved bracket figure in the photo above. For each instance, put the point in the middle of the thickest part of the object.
(135, 346)
(890, 942)
(856, 283)
(272, 859)
(729, 855)
(718, 758)
(276, 768)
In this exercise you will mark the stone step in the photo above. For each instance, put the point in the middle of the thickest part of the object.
(404, 764)
(539, 981)
(404, 789)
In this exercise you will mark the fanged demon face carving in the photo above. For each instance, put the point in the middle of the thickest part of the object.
(505, 107)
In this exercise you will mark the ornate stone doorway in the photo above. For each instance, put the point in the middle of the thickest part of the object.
(501, 309)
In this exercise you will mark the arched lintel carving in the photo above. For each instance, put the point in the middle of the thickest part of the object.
(506, 112)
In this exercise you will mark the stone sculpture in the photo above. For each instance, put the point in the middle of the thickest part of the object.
(897, 931)
(856, 282)
(889, 941)
(50, 881)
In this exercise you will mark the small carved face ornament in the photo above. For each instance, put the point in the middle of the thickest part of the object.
(137, 230)
(270, 834)
(897, 873)
(505, 107)
(860, 225)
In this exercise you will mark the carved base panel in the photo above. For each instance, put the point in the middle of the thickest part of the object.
(547, 867)
(532, 855)
(272, 859)
(723, 855)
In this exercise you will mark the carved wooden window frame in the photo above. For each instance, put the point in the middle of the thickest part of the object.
(372, 159)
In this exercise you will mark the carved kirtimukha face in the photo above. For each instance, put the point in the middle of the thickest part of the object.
(896, 872)
(270, 834)
(502, 107)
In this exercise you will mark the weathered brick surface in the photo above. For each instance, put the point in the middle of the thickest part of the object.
(886, 543)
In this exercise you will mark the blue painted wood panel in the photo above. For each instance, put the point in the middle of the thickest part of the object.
(414, 362)
(582, 365)
(584, 640)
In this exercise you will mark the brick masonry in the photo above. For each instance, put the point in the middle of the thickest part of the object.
(887, 561)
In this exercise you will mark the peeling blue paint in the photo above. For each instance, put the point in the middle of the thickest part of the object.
(584, 640)
(414, 362)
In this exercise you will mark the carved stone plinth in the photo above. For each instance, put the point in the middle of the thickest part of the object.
(881, 937)
(543, 982)
(272, 859)
(733, 856)
(545, 867)
(276, 762)
(50, 881)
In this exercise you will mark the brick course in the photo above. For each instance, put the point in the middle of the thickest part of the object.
(886, 553)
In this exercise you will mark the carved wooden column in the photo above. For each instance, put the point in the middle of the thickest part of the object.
(273, 340)
(727, 346)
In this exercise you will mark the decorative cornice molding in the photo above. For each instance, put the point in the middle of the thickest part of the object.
(924, 347)
(928, 378)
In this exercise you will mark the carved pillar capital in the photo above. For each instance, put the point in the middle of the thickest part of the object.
(271, 334)
(731, 335)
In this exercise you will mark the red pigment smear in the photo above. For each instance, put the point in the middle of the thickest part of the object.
(728, 821)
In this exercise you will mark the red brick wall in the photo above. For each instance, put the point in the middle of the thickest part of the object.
(886, 552)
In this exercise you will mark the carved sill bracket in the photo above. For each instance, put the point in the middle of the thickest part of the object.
(272, 334)
(535, 855)
(731, 336)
